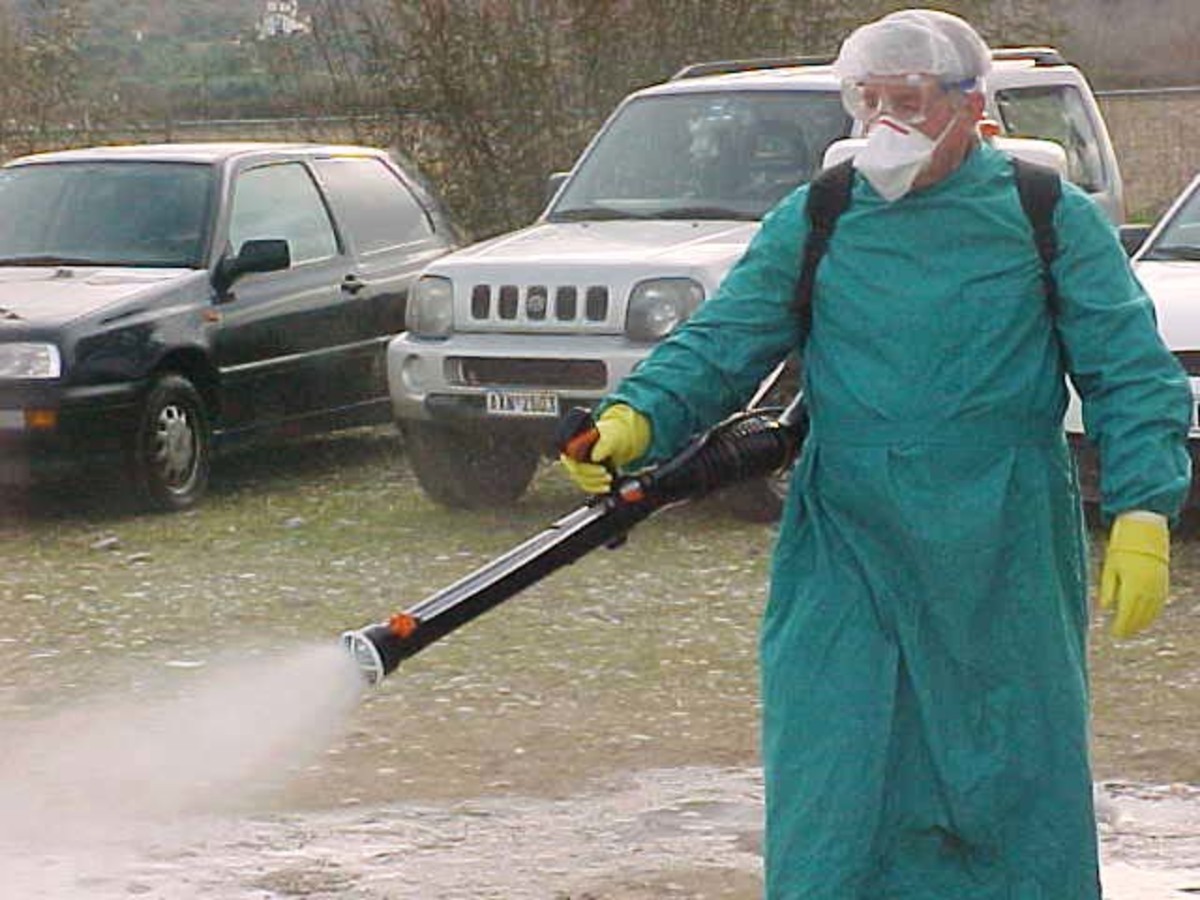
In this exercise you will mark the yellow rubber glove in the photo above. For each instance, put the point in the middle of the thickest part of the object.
(624, 436)
(1135, 578)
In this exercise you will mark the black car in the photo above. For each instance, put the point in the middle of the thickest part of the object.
(158, 302)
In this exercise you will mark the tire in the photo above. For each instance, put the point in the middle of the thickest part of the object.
(468, 469)
(171, 452)
(759, 501)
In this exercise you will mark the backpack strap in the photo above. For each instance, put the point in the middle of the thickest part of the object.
(1039, 188)
(828, 198)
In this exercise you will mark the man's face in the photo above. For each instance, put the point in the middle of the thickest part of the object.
(952, 123)
(945, 115)
(942, 109)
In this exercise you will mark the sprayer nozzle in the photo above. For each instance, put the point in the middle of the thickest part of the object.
(365, 655)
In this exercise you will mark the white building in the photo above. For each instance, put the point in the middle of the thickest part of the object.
(281, 18)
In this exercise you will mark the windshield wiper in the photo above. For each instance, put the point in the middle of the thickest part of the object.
(47, 259)
(705, 212)
(592, 214)
(1179, 252)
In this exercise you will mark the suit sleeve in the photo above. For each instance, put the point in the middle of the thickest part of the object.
(1136, 397)
(710, 366)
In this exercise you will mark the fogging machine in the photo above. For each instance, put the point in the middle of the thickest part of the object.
(754, 443)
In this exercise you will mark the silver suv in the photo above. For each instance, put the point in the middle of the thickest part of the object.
(506, 335)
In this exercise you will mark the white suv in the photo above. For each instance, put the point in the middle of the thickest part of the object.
(506, 335)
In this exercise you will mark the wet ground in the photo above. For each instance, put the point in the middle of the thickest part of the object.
(593, 738)
(653, 834)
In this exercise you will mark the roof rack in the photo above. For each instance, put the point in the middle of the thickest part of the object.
(729, 66)
(1039, 56)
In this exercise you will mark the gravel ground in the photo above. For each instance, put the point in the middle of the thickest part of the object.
(500, 765)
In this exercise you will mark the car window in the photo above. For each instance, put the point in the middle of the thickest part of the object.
(1179, 238)
(281, 202)
(723, 154)
(107, 213)
(373, 203)
(1057, 113)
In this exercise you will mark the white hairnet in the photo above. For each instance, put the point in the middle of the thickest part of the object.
(915, 41)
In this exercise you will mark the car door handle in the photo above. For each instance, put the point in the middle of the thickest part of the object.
(352, 284)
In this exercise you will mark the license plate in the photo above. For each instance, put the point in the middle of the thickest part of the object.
(522, 403)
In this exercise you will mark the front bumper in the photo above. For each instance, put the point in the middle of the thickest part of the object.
(450, 380)
(47, 431)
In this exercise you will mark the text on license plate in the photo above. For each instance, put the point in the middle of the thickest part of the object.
(522, 403)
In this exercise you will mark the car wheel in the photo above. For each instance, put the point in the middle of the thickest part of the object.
(468, 469)
(170, 456)
(759, 500)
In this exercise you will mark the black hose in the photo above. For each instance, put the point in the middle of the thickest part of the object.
(749, 446)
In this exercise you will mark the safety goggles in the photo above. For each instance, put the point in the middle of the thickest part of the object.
(908, 98)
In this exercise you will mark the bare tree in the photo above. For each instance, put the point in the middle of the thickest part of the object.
(489, 96)
(54, 64)
(494, 96)
(13, 100)
(489, 85)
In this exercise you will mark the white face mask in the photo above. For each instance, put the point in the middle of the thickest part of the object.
(895, 154)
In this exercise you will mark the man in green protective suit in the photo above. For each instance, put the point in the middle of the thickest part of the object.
(923, 650)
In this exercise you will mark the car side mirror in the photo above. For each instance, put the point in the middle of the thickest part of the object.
(263, 255)
(1133, 236)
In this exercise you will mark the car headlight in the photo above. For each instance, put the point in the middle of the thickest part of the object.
(431, 310)
(657, 306)
(29, 360)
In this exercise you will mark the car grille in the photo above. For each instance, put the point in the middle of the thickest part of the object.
(550, 373)
(1190, 360)
(539, 303)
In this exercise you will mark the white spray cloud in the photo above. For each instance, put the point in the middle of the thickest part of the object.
(91, 781)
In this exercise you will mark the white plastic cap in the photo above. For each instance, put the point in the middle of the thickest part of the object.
(915, 42)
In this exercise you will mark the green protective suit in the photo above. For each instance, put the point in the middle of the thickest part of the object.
(923, 650)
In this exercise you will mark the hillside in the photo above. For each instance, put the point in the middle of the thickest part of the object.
(188, 20)
(1120, 43)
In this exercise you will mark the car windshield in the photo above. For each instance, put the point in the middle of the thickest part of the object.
(1180, 238)
(105, 213)
(728, 155)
